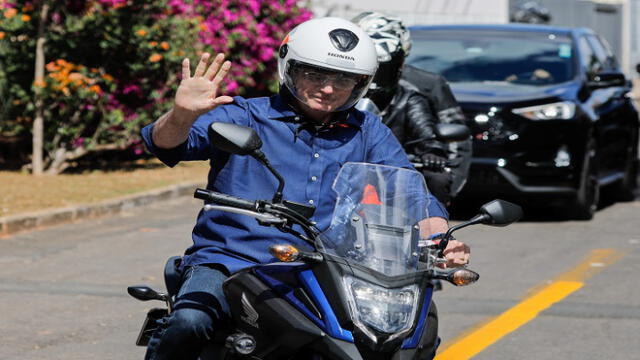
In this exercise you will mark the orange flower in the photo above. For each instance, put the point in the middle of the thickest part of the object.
(39, 83)
(107, 77)
(26, 18)
(76, 77)
(9, 13)
(141, 32)
(51, 67)
(96, 89)
(153, 43)
(203, 27)
(155, 57)
(27, 7)
(164, 45)
(2, 35)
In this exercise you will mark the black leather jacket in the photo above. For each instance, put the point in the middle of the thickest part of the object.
(422, 100)
(410, 117)
(437, 92)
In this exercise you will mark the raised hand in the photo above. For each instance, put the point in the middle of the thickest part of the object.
(198, 94)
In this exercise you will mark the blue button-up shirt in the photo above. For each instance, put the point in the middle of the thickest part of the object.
(308, 160)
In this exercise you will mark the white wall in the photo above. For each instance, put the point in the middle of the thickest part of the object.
(422, 12)
(633, 17)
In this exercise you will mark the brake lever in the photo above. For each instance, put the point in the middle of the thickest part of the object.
(263, 218)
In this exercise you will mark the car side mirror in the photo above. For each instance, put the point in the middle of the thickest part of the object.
(607, 79)
(452, 132)
(234, 139)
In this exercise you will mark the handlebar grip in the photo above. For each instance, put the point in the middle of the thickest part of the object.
(224, 199)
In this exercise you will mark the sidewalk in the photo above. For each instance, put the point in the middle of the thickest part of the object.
(13, 224)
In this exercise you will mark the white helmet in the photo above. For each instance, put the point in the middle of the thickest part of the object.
(330, 45)
(393, 43)
(389, 34)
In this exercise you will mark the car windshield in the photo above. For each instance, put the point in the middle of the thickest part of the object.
(377, 219)
(532, 58)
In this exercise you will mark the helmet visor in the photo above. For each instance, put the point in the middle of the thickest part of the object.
(322, 88)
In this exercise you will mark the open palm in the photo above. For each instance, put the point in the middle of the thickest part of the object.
(198, 94)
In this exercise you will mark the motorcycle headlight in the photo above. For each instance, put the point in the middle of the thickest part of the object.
(555, 111)
(386, 310)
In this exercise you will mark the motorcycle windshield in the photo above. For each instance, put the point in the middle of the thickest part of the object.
(376, 222)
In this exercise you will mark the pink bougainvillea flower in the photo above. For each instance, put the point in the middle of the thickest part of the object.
(232, 86)
(78, 142)
(128, 89)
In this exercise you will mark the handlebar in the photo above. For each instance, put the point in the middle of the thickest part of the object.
(267, 213)
(419, 164)
(224, 199)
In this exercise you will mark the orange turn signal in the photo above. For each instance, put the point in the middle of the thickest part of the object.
(462, 277)
(284, 253)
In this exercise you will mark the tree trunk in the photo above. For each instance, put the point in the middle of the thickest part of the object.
(38, 122)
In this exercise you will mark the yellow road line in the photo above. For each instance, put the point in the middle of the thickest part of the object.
(565, 284)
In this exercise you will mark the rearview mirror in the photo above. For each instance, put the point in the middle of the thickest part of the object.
(500, 213)
(234, 139)
(494, 213)
(452, 132)
(607, 79)
(243, 140)
(145, 293)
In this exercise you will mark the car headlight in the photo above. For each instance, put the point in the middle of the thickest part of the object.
(555, 111)
(386, 310)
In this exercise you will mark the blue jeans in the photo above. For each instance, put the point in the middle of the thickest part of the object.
(200, 309)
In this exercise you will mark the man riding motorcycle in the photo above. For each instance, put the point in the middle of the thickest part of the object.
(412, 105)
(310, 129)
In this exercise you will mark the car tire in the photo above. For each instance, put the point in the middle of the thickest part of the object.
(585, 202)
(625, 189)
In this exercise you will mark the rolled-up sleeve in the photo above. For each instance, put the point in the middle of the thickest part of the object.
(197, 146)
(169, 157)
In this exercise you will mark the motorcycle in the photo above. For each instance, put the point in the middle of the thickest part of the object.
(361, 288)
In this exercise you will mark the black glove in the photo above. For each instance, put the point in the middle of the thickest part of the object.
(434, 162)
(439, 183)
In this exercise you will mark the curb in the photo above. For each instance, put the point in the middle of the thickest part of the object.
(10, 225)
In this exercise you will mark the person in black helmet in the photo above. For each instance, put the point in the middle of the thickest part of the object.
(411, 102)
(411, 106)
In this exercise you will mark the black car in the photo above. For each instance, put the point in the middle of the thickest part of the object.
(548, 108)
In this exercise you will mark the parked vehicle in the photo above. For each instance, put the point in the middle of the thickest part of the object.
(548, 108)
(362, 288)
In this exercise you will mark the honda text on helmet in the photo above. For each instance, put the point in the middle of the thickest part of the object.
(327, 63)
(393, 43)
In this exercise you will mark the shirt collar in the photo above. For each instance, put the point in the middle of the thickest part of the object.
(280, 110)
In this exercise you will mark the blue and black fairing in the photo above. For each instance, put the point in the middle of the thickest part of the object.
(281, 292)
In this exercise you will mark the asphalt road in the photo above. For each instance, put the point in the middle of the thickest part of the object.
(63, 289)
